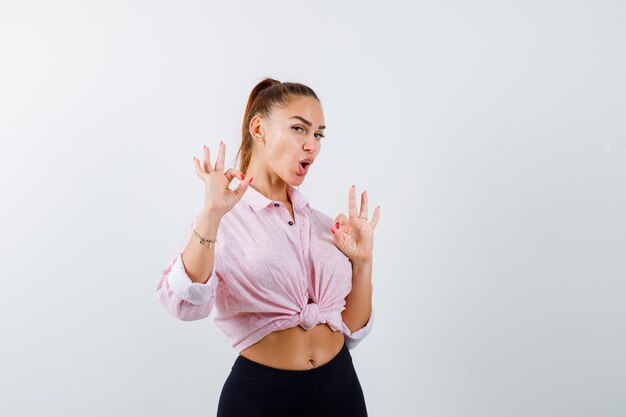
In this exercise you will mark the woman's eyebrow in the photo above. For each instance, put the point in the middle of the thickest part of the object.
(306, 122)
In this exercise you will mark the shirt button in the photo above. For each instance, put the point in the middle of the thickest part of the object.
(291, 222)
(276, 205)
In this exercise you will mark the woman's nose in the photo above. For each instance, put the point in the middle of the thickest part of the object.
(311, 143)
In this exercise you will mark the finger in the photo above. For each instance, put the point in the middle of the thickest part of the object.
(242, 187)
(341, 219)
(198, 168)
(363, 211)
(339, 236)
(375, 217)
(221, 155)
(232, 173)
(352, 202)
(206, 162)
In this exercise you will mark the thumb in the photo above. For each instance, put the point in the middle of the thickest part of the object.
(338, 235)
(341, 218)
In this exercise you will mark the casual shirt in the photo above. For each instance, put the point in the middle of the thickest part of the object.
(271, 272)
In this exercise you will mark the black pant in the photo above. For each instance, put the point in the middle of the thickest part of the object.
(256, 390)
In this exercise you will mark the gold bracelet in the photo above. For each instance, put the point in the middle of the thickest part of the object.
(203, 240)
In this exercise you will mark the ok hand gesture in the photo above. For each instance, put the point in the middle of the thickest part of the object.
(353, 235)
(218, 198)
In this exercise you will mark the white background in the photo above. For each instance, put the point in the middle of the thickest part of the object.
(492, 134)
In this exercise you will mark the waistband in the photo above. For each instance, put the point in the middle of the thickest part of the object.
(293, 379)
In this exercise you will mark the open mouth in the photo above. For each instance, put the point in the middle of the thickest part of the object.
(303, 167)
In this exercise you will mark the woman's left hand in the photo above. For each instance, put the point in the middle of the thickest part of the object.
(353, 235)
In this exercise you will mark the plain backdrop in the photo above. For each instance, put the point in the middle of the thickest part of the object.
(492, 134)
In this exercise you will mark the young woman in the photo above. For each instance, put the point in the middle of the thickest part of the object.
(291, 287)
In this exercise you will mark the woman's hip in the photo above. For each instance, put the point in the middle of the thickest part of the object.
(329, 389)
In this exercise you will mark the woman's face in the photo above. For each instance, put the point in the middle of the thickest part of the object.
(292, 134)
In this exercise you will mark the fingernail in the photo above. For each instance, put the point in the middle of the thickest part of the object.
(205, 147)
(331, 229)
(352, 185)
(251, 179)
(337, 225)
(242, 177)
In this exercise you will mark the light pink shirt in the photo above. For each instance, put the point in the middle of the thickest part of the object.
(266, 269)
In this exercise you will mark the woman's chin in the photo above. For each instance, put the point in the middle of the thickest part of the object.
(298, 179)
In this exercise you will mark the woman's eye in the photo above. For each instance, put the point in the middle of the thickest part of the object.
(300, 127)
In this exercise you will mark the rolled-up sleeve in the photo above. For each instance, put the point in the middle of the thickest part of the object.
(184, 299)
(193, 292)
(354, 338)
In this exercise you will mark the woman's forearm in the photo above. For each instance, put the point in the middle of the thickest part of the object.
(359, 301)
(199, 259)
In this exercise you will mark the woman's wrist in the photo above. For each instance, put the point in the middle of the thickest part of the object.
(211, 215)
(362, 262)
(207, 224)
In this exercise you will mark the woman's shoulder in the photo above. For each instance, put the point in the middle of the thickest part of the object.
(320, 216)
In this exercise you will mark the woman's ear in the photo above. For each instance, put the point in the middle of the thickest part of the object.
(257, 129)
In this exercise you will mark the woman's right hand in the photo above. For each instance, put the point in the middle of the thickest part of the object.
(218, 198)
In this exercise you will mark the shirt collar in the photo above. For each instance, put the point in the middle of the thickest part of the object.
(258, 201)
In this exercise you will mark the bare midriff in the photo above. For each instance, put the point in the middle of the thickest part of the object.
(295, 348)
